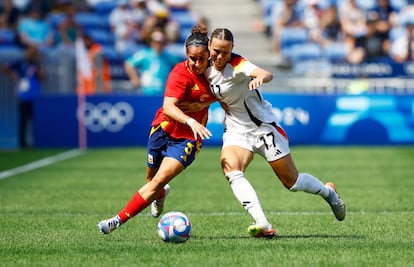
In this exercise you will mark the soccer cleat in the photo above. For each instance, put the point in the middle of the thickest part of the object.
(157, 206)
(256, 230)
(336, 203)
(109, 225)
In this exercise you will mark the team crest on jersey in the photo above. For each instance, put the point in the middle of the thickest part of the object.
(150, 159)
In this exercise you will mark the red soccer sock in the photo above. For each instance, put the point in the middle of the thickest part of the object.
(134, 206)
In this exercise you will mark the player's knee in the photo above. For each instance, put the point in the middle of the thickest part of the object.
(226, 166)
(233, 176)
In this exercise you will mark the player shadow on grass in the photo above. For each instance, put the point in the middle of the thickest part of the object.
(322, 236)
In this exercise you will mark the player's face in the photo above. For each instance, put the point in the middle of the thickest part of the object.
(220, 52)
(197, 59)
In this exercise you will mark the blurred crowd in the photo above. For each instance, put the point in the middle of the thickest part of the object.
(363, 30)
(112, 32)
(88, 41)
(124, 24)
(352, 30)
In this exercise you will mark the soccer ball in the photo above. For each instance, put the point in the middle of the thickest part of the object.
(174, 227)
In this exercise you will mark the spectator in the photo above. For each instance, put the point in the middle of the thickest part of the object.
(10, 14)
(402, 48)
(3, 24)
(161, 20)
(34, 30)
(122, 24)
(140, 13)
(45, 6)
(330, 27)
(353, 23)
(148, 69)
(28, 75)
(312, 16)
(68, 29)
(406, 11)
(387, 17)
(154, 5)
(94, 75)
(21, 4)
(284, 15)
(369, 46)
(178, 4)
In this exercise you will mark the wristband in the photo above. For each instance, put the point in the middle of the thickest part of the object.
(190, 121)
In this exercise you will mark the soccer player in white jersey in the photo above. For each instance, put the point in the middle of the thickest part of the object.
(251, 127)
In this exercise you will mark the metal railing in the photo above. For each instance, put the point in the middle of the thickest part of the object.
(60, 69)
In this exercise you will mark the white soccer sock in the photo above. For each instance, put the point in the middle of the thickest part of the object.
(310, 184)
(247, 196)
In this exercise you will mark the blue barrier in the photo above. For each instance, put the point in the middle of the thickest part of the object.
(379, 68)
(108, 120)
(311, 119)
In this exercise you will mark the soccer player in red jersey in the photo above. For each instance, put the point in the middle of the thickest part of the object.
(176, 135)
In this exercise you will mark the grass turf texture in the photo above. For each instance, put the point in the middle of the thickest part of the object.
(48, 216)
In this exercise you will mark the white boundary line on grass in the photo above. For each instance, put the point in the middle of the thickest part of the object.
(230, 213)
(42, 163)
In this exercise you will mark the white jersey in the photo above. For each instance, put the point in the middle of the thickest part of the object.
(248, 109)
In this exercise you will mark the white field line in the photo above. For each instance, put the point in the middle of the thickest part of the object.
(303, 213)
(220, 214)
(41, 163)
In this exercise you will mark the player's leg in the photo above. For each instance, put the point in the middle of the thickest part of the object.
(286, 170)
(184, 152)
(277, 152)
(167, 157)
(169, 168)
(157, 206)
(234, 161)
(157, 143)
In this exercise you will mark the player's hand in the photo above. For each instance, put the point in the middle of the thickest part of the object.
(198, 129)
(255, 83)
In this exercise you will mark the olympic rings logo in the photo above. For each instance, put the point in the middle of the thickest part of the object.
(105, 116)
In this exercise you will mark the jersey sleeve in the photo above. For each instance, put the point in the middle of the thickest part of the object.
(177, 82)
(242, 64)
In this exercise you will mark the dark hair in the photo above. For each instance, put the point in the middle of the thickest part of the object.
(198, 36)
(222, 34)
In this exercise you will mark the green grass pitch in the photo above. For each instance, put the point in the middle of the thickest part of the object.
(48, 216)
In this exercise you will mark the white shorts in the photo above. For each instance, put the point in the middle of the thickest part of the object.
(268, 140)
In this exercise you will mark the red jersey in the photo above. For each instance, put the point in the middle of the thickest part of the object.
(185, 86)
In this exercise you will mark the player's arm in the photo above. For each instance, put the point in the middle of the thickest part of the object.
(194, 106)
(171, 109)
(259, 76)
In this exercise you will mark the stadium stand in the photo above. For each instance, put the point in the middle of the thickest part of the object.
(327, 60)
(320, 60)
(94, 20)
